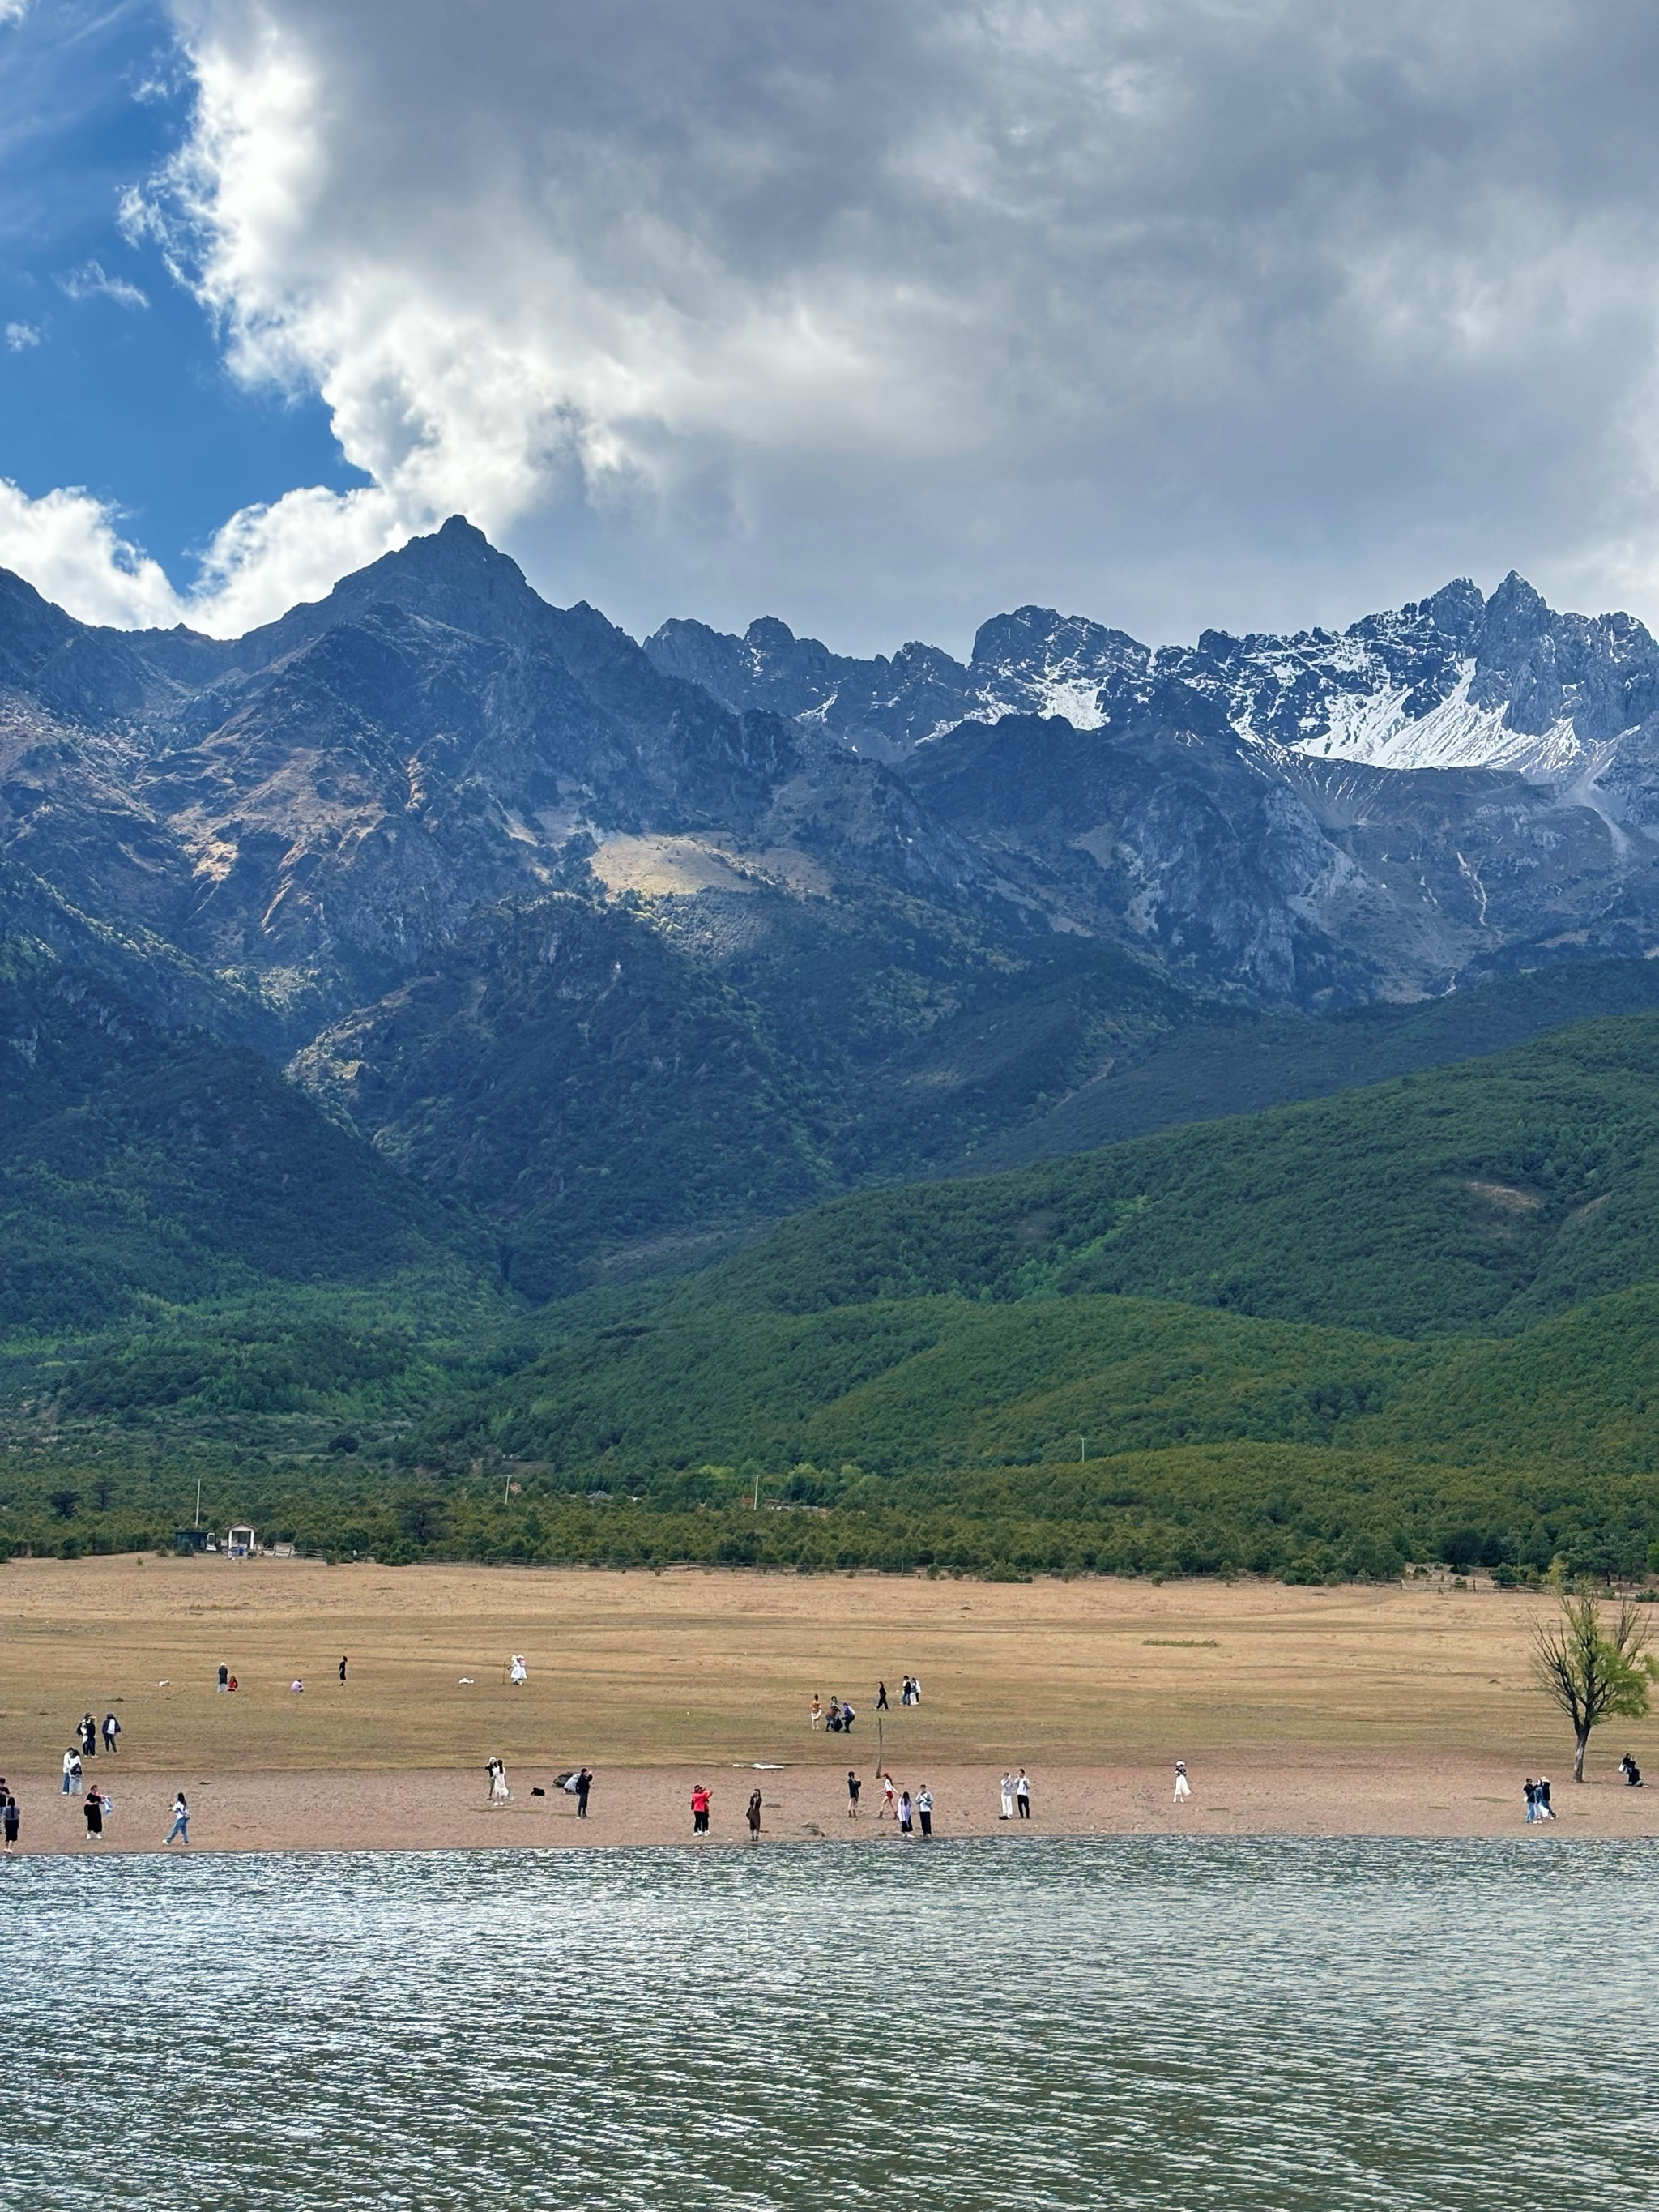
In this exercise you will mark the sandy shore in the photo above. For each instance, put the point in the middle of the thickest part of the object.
(415, 1811)
(1396, 1711)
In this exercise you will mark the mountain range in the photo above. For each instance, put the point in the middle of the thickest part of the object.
(465, 1074)
(625, 950)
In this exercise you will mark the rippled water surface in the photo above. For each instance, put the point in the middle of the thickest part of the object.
(1236, 2025)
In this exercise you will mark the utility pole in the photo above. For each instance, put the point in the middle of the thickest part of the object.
(1084, 1455)
(755, 1508)
(198, 1501)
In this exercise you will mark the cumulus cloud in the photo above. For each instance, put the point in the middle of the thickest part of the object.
(20, 337)
(68, 546)
(1165, 310)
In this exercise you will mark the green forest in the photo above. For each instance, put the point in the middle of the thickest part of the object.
(1408, 1322)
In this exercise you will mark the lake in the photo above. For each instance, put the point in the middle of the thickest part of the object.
(1247, 2026)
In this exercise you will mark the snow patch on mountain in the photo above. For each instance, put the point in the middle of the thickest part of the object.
(1378, 729)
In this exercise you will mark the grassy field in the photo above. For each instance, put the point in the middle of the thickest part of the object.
(693, 1665)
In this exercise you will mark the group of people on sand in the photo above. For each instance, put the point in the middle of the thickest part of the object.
(702, 1804)
(907, 1812)
(838, 1715)
(578, 1782)
(96, 1804)
(1016, 1791)
(1537, 1795)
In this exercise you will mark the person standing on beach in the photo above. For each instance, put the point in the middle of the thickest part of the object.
(754, 1817)
(499, 1792)
(1545, 1810)
(814, 1712)
(1022, 1795)
(1183, 1789)
(702, 1799)
(889, 1798)
(343, 1668)
(94, 1809)
(853, 1786)
(88, 1737)
(1529, 1791)
(1007, 1812)
(904, 1813)
(584, 1784)
(180, 1828)
(881, 1697)
(224, 1678)
(112, 1729)
(10, 1821)
(72, 1769)
(925, 1809)
(518, 1671)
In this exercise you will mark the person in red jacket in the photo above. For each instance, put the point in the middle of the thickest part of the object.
(701, 1801)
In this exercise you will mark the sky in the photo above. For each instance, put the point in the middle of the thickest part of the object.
(1177, 313)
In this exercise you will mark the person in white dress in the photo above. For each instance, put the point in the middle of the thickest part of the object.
(1183, 1789)
(1007, 1812)
(519, 1671)
(499, 1792)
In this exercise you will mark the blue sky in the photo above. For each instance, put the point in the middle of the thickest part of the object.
(133, 403)
(880, 320)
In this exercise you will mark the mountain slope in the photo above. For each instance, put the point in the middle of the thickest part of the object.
(920, 1364)
(862, 918)
(137, 1165)
(1242, 1064)
(1465, 1197)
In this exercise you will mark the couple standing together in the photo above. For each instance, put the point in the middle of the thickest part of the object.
(1016, 1791)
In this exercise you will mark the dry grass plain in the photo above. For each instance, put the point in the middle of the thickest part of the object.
(1344, 1709)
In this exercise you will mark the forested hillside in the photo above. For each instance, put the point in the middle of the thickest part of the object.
(1410, 1321)
(1480, 1195)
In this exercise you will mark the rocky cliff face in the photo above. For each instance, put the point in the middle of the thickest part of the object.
(537, 907)
(1455, 785)
(1453, 681)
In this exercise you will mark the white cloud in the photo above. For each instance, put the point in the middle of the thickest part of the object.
(68, 546)
(20, 337)
(13, 11)
(886, 318)
(93, 281)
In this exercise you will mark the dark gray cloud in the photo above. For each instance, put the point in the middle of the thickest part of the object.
(882, 319)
